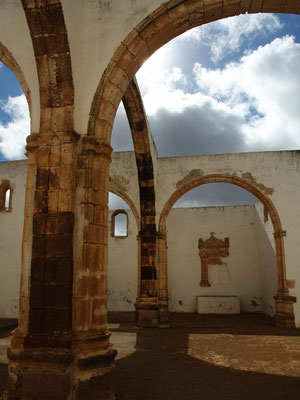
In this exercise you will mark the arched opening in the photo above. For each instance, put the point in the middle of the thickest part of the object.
(15, 126)
(7, 205)
(159, 28)
(122, 255)
(15, 108)
(235, 260)
(119, 224)
(268, 209)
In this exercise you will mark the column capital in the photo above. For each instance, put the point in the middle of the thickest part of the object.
(284, 297)
(91, 145)
(36, 140)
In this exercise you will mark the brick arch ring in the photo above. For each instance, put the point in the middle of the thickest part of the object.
(279, 233)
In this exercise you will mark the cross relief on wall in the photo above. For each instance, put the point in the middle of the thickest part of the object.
(210, 252)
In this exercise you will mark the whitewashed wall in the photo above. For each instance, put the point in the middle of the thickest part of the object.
(185, 227)
(11, 230)
(122, 268)
(251, 261)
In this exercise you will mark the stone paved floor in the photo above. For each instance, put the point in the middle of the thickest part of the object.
(240, 357)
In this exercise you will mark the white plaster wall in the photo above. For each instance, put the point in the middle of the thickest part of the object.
(278, 171)
(267, 260)
(11, 231)
(122, 268)
(103, 26)
(185, 227)
(15, 36)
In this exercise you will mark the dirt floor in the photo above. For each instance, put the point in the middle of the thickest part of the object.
(240, 357)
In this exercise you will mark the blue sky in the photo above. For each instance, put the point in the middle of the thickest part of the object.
(229, 86)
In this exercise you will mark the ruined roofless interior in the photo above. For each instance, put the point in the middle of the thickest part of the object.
(76, 62)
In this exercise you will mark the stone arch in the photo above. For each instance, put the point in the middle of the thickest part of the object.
(53, 62)
(284, 309)
(129, 202)
(165, 23)
(136, 115)
(213, 178)
(8, 59)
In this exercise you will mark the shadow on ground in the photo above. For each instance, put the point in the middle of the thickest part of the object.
(240, 357)
(209, 358)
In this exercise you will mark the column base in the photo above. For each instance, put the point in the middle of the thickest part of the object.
(34, 374)
(57, 375)
(284, 317)
(148, 313)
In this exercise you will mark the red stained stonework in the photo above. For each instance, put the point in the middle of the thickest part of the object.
(210, 252)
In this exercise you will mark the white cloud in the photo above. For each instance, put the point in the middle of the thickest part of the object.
(263, 88)
(256, 98)
(13, 134)
(229, 34)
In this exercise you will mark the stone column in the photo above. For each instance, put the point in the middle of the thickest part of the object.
(40, 355)
(284, 302)
(61, 349)
(162, 279)
(146, 304)
(92, 350)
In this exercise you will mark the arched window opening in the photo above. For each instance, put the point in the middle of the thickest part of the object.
(5, 196)
(119, 224)
(7, 200)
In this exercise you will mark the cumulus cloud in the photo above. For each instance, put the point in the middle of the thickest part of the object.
(264, 89)
(13, 134)
(249, 105)
(228, 35)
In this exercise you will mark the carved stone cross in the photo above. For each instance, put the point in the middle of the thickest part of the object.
(210, 252)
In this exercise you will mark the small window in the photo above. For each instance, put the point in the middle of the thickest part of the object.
(119, 224)
(7, 200)
(5, 195)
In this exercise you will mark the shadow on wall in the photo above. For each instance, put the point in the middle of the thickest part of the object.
(267, 261)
